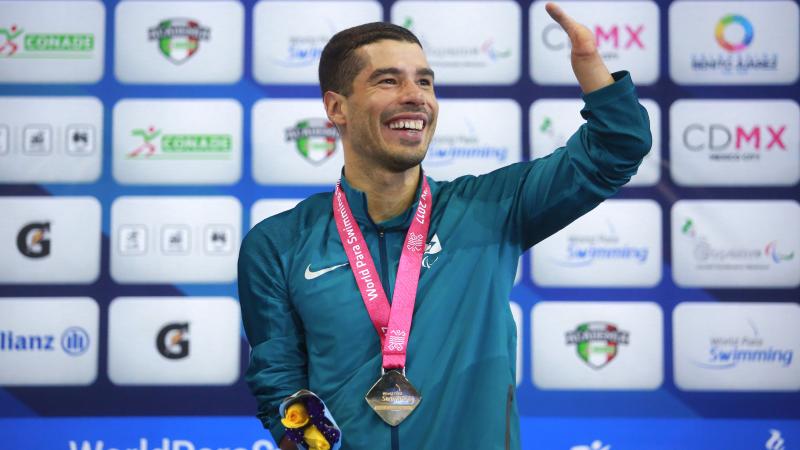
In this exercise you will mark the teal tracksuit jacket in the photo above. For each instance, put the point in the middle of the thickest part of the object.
(308, 327)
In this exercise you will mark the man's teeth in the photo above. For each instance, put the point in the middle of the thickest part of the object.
(407, 124)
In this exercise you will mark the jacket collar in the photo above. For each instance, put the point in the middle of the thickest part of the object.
(358, 205)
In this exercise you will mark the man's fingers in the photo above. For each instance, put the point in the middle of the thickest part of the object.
(558, 15)
(582, 39)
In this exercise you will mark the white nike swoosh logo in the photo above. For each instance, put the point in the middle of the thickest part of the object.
(318, 273)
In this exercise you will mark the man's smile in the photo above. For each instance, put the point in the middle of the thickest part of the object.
(407, 126)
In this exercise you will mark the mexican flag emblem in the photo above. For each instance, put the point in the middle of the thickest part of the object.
(597, 343)
(315, 139)
(179, 39)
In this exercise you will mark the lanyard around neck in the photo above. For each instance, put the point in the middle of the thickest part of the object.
(392, 322)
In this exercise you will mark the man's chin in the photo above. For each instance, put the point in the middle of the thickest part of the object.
(403, 161)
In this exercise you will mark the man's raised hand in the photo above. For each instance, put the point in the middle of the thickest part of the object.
(587, 64)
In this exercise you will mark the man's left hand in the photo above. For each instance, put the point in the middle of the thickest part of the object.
(589, 68)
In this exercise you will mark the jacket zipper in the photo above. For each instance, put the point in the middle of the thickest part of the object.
(395, 435)
(384, 263)
(509, 403)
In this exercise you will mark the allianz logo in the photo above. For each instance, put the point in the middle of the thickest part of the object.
(73, 341)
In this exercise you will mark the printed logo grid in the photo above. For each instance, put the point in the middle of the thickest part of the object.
(174, 171)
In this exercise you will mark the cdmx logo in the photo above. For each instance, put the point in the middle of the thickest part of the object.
(597, 343)
(178, 38)
(734, 20)
(315, 139)
(720, 137)
(33, 240)
(615, 37)
(172, 340)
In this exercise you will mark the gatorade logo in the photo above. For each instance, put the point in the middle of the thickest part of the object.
(33, 240)
(172, 341)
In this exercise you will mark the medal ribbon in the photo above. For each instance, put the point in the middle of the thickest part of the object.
(392, 322)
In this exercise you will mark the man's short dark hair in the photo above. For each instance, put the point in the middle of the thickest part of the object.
(339, 63)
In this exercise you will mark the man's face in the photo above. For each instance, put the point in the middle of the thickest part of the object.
(391, 112)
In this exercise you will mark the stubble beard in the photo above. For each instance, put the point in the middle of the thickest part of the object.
(396, 158)
(404, 158)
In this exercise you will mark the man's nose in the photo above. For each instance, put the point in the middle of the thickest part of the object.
(413, 94)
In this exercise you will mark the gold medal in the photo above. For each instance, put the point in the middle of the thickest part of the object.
(393, 397)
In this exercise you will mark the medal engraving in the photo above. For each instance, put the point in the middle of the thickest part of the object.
(393, 398)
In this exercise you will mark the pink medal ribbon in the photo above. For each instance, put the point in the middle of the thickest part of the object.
(393, 323)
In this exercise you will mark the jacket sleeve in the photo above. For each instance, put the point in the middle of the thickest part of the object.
(278, 360)
(599, 158)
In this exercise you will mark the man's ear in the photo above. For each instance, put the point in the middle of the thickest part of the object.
(336, 108)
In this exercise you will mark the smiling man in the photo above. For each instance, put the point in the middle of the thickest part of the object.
(434, 367)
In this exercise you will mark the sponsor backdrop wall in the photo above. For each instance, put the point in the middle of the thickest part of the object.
(139, 141)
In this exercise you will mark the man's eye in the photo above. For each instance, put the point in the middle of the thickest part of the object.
(388, 81)
(425, 82)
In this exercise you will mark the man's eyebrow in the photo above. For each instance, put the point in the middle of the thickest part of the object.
(426, 72)
(377, 73)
